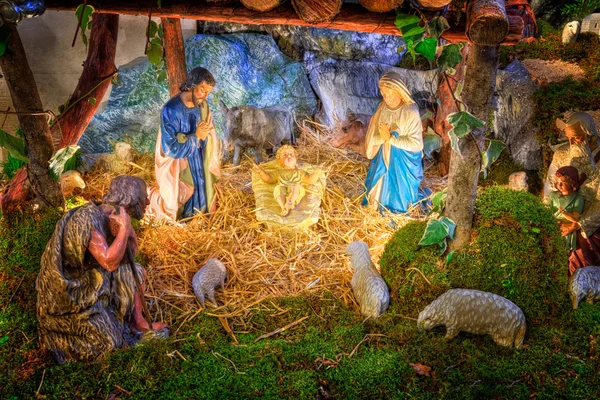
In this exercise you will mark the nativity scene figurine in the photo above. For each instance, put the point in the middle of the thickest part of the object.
(187, 153)
(88, 302)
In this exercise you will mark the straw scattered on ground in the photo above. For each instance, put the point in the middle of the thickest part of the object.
(553, 71)
(262, 264)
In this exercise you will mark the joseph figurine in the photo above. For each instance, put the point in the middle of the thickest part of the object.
(187, 153)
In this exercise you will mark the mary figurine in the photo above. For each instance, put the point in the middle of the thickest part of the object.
(394, 143)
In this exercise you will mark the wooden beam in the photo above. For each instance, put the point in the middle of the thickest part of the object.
(487, 22)
(174, 53)
(352, 17)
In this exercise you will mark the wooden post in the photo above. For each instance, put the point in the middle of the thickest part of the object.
(433, 4)
(95, 79)
(480, 82)
(174, 53)
(26, 100)
(487, 22)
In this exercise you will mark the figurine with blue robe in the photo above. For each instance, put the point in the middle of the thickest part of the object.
(187, 154)
(394, 143)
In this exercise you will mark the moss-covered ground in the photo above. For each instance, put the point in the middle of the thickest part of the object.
(334, 353)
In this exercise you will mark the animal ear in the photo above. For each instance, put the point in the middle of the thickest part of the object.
(223, 107)
(358, 124)
(350, 116)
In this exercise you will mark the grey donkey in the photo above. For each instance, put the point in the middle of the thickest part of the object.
(476, 312)
(211, 275)
(370, 290)
(585, 284)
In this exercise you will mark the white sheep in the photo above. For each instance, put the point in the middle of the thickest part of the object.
(585, 284)
(473, 311)
(211, 275)
(370, 290)
(570, 32)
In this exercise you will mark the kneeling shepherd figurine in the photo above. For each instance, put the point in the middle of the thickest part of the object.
(473, 311)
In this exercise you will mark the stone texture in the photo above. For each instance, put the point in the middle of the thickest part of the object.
(514, 111)
(591, 23)
(249, 69)
(344, 85)
(297, 41)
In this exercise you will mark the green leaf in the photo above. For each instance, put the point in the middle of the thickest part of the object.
(427, 114)
(154, 53)
(450, 225)
(427, 48)
(116, 80)
(463, 123)
(492, 153)
(431, 142)
(438, 200)
(162, 76)
(61, 108)
(403, 20)
(63, 160)
(435, 232)
(4, 36)
(92, 100)
(454, 142)
(157, 41)
(450, 56)
(413, 32)
(152, 29)
(87, 11)
(450, 256)
(14, 145)
(437, 25)
(84, 39)
(159, 3)
(442, 246)
(535, 230)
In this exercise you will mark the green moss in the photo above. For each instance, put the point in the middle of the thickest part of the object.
(517, 252)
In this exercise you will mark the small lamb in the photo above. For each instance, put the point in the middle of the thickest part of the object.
(476, 312)
(585, 284)
(211, 275)
(369, 288)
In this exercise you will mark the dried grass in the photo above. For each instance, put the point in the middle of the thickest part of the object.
(262, 264)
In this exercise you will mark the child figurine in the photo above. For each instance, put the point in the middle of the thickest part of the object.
(290, 180)
(570, 204)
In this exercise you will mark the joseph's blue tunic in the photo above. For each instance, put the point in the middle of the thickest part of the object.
(178, 129)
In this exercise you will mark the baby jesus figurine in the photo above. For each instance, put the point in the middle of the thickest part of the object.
(290, 180)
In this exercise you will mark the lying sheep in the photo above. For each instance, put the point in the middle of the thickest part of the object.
(476, 312)
(585, 284)
(369, 288)
(211, 275)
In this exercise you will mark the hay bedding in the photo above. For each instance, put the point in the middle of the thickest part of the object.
(261, 264)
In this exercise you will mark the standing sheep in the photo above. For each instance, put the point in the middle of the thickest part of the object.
(476, 312)
(585, 284)
(369, 288)
(570, 32)
(211, 275)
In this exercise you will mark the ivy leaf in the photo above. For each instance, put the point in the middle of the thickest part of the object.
(491, 154)
(449, 57)
(84, 39)
(450, 256)
(152, 29)
(463, 123)
(157, 41)
(454, 141)
(438, 200)
(3, 339)
(162, 76)
(92, 100)
(427, 48)
(431, 142)
(4, 36)
(437, 26)
(403, 20)
(413, 32)
(435, 232)
(450, 225)
(154, 53)
(85, 19)
(14, 145)
(63, 160)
